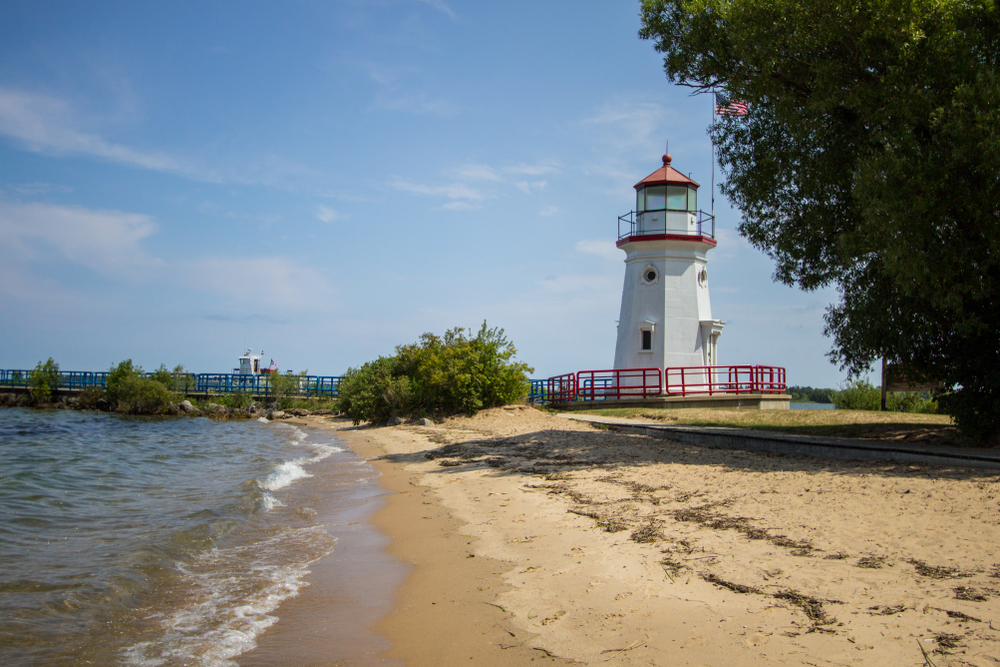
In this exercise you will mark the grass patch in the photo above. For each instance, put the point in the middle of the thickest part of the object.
(863, 424)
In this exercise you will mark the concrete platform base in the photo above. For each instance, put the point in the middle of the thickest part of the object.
(728, 401)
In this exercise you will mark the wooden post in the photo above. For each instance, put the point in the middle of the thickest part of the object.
(883, 384)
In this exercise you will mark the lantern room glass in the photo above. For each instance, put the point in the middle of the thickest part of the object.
(666, 197)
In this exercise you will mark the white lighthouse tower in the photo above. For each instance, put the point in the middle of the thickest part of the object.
(666, 319)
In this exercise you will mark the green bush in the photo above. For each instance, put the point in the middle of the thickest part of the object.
(372, 392)
(236, 401)
(283, 388)
(858, 395)
(131, 392)
(87, 399)
(863, 395)
(437, 375)
(809, 394)
(43, 380)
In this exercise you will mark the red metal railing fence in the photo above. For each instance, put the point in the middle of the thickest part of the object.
(625, 383)
(618, 383)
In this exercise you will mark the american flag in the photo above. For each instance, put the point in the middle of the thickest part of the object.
(727, 106)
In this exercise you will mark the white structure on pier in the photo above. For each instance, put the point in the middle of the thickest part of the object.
(666, 318)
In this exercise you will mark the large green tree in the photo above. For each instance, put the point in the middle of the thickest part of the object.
(869, 160)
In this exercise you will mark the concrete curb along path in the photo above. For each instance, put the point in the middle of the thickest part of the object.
(804, 445)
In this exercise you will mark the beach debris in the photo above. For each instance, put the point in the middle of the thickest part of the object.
(937, 571)
(970, 594)
(927, 659)
(638, 643)
(811, 606)
(886, 610)
(647, 533)
(955, 614)
(729, 585)
(871, 562)
(947, 642)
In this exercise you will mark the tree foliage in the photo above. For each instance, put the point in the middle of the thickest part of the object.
(869, 160)
(437, 375)
(128, 390)
(43, 380)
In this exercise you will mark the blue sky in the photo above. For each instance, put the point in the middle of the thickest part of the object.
(327, 180)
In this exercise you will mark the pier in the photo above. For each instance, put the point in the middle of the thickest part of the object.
(192, 384)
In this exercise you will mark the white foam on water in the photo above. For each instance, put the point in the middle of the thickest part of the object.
(270, 502)
(229, 600)
(263, 420)
(284, 474)
(287, 472)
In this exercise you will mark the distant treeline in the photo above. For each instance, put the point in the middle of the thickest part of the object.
(863, 395)
(800, 394)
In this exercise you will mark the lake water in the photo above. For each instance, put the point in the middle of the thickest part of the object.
(812, 406)
(148, 542)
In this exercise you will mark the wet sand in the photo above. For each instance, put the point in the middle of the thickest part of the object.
(534, 538)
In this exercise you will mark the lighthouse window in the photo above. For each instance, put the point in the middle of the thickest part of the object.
(640, 199)
(677, 197)
(656, 198)
(647, 339)
(650, 276)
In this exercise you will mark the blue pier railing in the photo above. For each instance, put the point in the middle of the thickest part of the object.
(201, 383)
(536, 393)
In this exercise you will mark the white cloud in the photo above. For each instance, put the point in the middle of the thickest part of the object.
(280, 284)
(108, 242)
(451, 191)
(549, 211)
(441, 6)
(629, 125)
(32, 189)
(460, 206)
(604, 249)
(526, 187)
(33, 237)
(416, 104)
(553, 167)
(478, 172)
(46, 123)
(328, 215)
(461, 190)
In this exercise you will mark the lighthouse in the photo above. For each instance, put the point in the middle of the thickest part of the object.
(666, 318)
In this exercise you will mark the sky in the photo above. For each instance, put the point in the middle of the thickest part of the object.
(323, 181)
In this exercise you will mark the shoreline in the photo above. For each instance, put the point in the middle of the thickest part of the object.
(544, 538)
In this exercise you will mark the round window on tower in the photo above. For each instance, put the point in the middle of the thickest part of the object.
(703, 278)
(649, 275)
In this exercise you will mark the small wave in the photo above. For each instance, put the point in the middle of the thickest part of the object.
(284, 474)
(230, 597)
(269, 502)
(321, 451)
(263, 420)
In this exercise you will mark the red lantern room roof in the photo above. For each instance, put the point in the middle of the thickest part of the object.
(666, 174)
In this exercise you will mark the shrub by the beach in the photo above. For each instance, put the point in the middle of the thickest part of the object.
(283, 388)
(374, 392)
(858, 395)
(181, 380)
(457, 373)
(43, 380)
(437, 375)
(131, 392)
(863, 395)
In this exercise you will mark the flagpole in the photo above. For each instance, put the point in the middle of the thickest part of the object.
(712, 135)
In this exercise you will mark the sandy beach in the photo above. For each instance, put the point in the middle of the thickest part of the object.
(531, 537)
